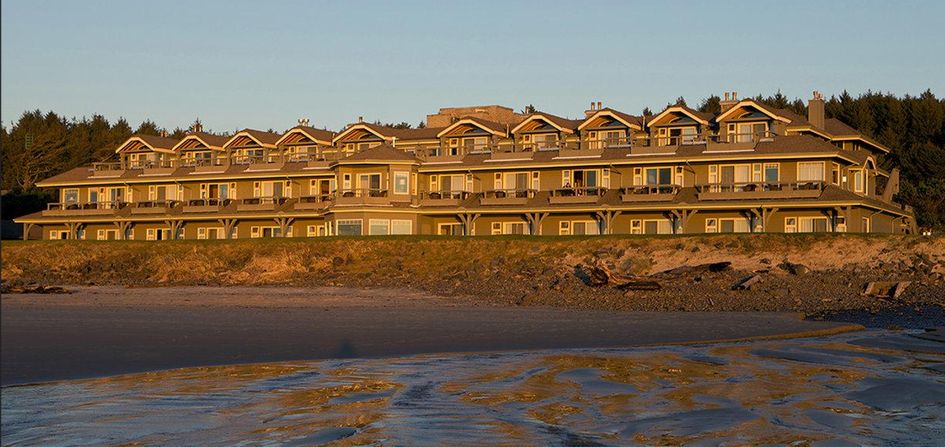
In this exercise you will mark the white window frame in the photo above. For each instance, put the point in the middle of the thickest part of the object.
(808, 164)
(402, 223)
(379, 222)
(405, 177)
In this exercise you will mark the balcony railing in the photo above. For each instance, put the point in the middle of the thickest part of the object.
(84, 209)
(260, 203)
(362, 196)
(108, 169)
(153, 206)
(562, 196)
(205, 205)
(649, 193)
(760, 190)
(443, 198)
(315, 202)
(506, 196)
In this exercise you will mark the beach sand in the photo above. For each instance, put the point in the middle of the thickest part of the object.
(101, 331)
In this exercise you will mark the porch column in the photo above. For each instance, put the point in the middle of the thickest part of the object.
(122, 227)
(26, 230)
(534, 222)
(74, 228)
(685, 215)
(175, 226)
(766, 214)
(284, 223)
(468, 220)
(606, 218)
(228, 225)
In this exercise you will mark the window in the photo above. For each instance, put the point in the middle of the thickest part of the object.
(858, 181)
(516, 180)
(58, 234)
(322, 187)
(70, 196)
(401, 183)
(810, 171)
(835, 174)
(316, 230)
(636, 226)
(772, 173)
(217, 191)
(210, 233)
(813, 225)
(711, 225)
(379, 227)
(401, 226)
(346, 182)
(659, 176)
(450, 229)
(369, 182)
(748, 132)
(735, 175)
(579, 228)
(350, 227)
(790, 225)
(866, 225)
(258, 232)
(514, 228)
(657, 226)
(734, 225)
(273, 189)
(447, 183)
(680, 179)
(160, 234)
(584, 178)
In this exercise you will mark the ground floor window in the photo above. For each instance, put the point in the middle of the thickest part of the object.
(866, 225)
(349, 227)
(727, 225)
(651, 226)
(813, 225)
(107, 235)
(449, 229)
(509, 228)
(213, 233)
(58, 234)
(400, 226)
(264, 232)
(578, 228)
(317, 230)
(158, 234)
(379, 227)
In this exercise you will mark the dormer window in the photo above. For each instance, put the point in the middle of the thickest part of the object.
(747, 132)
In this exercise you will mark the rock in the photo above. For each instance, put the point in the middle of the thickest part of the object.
(590, 275)
(794, 269)
(716, 267)
(746, 282)
(639, 285)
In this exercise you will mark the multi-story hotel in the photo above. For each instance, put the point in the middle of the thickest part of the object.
(488, 170)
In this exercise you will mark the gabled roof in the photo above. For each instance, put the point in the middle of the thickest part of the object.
(390, 133)
(777, 114)
(210, 141)
(262, 138)
(700, 117)
(488, 126)
(321, 136)
(631, 121)
(841, 131)
(562, 124)
(152, 142)
(380, 153)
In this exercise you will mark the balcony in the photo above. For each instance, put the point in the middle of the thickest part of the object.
(153, 207)
(443, 154)
(261, 203)
(111, 169)
(158, 167)
(760, 190)
(592, 148)
(316, 202)
(206, 165)
(515, 151)
(649, 193)
(84, 209)
(506, 197)
(443, 198)
(572, 196)
(664, 145)
(267, 162)
(738, 141)
(353, 197)
(205, 205)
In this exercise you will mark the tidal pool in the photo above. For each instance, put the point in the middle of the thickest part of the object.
(868, 388)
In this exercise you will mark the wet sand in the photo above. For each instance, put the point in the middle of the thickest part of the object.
(876, 387)
(101, 331)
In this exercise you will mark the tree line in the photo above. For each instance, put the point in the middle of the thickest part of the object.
(39, 145)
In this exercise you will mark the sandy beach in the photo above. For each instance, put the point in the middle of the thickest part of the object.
(100, 331)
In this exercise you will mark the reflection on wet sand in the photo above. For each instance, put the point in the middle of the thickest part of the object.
(878, 387)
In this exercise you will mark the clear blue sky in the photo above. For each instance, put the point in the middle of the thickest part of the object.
(264, 64)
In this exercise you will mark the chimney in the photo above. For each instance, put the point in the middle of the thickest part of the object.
(197, 127)
(731, 98)
(815, 110)
(304, 122)
(163, 133)
(599, 105)
(360, 119)
(590, 111)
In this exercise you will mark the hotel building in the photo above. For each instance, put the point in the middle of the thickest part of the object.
(489, 171)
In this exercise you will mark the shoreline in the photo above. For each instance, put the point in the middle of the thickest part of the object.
(107, 331)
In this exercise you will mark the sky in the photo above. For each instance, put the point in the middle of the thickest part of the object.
(265, 64)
